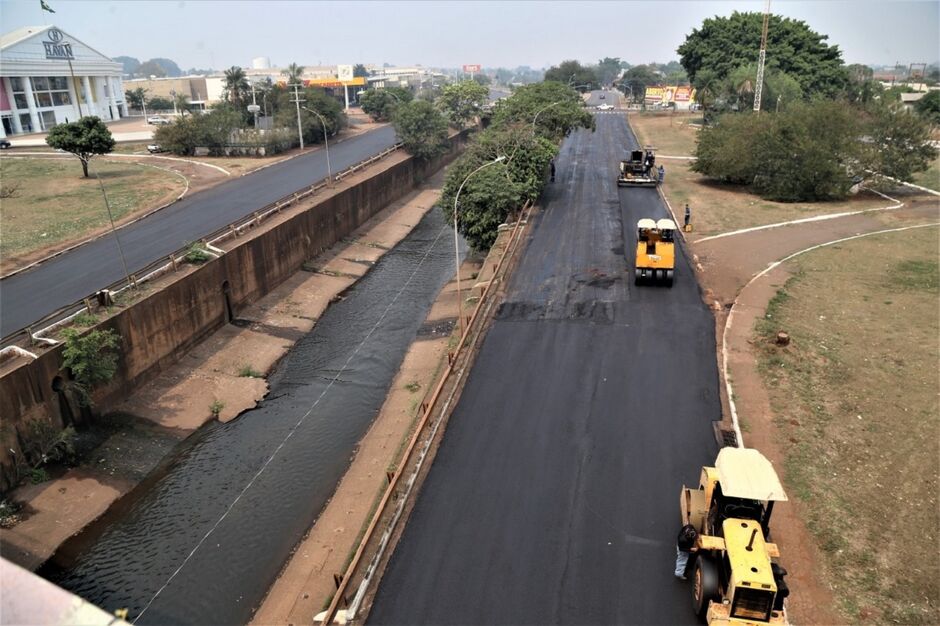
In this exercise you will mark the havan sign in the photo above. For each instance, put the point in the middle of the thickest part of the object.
(56, 48)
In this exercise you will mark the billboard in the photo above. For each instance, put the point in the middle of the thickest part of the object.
(666, 95)
(344, 72)
(471, 69)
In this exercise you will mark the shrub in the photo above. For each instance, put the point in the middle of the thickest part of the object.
(91, 358)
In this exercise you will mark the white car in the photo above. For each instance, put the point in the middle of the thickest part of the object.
(156, 119)
(155, 148)
(605, 107)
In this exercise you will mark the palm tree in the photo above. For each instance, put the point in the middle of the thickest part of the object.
(181, 103)
(235, 84)
(293, 73)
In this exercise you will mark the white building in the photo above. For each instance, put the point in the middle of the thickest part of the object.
(48, 77)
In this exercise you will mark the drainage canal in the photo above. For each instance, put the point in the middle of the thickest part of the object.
(202, 543)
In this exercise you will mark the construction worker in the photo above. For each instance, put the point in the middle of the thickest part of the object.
(684, 543)
(662, 173)
(688, 214)
(551, 166)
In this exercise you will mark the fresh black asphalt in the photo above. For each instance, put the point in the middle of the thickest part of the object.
(554, 496)
(33, 294)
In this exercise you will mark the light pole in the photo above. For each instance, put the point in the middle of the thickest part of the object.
(456, 240)
(117, 239)
(326, 140)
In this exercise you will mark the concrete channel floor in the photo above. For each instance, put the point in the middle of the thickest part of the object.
(554, 495)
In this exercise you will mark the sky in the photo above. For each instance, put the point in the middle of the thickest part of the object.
(220, 33)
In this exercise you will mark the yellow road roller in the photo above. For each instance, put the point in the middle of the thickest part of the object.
(735, 576)
(655, 251)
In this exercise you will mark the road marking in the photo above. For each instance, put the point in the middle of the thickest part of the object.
(806, 220)
(724, 335)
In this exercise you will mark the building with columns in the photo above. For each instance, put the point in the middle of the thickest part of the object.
(48, 77)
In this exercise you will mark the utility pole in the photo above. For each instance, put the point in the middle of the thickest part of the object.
(761, 58)
(297, 101)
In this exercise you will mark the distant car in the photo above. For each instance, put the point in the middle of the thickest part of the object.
(602, 96)
(605, 107)
(156, 119)
(155, 148)
(4, 144)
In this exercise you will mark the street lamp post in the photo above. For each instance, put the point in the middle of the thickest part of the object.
(326, 140)
(456, 240)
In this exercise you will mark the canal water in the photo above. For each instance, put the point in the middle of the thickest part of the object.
(202, 543)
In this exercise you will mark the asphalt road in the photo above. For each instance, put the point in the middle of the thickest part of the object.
(33, 294)
(554, 496)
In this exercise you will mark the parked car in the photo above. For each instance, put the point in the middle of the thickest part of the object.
(4, 144)
(154, 148)
(156, 119)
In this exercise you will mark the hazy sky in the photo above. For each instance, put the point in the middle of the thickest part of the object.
(220, 33)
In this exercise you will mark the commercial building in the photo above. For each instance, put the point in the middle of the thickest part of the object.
(49, 77)
(193, 87)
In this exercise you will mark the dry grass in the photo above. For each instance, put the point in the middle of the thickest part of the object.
(855, 400)
(55, 204)
(718, 208)
(930, 178)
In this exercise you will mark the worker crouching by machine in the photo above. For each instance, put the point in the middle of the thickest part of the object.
(735, 579)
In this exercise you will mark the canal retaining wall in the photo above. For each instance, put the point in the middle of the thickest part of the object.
(164, 325)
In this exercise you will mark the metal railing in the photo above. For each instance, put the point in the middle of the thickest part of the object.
(65, 314)
(454, 376)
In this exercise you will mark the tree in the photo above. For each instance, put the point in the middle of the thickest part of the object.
(91, 358)
(493, 193)
(723, 44)
(359, 70)
(462, 101)
(235, 86)
(482, 79)
(136, 97)
(809, 152)
(861, 86)
(421, 128)
(900, 143)
(637, 79)
(84, 138)
(550, 109)
(159, 103)
(181, 103)
(380, 104)
(573, 73)
(929, 106)
(294, 73)
(316, 100)
(608, 69)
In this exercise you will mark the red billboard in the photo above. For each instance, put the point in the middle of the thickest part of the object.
(471, 69)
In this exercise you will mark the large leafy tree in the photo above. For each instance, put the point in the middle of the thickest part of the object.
(723, 44)
(637, 79)
(462, 101)
(900, 142)
(317, 100)
(422, 129)
(235, 87)
(490, 195)
(84, 138)
(929, 106)
(608, 69)
(573, 73)
(380, 104)
(548, 108)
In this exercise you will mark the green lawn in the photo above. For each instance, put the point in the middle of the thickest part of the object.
(53, 204)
